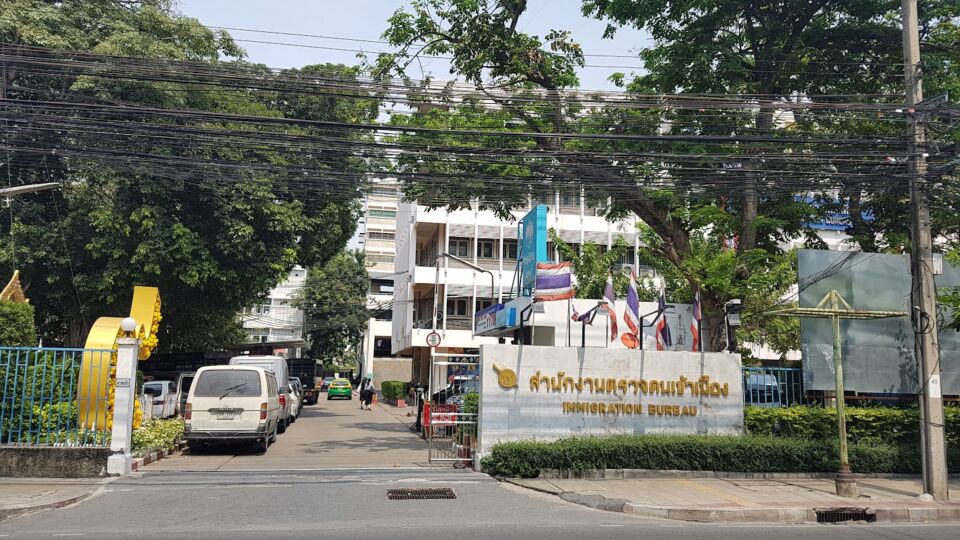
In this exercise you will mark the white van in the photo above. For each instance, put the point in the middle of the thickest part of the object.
(163, 395)
(231, 404)
(277, 365)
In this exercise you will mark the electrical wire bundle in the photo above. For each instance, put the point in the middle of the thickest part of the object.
(613, 144)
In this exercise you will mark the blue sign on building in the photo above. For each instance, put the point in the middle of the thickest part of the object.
(533, 247)
(832, 221)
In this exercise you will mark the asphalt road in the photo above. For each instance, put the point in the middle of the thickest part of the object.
(330, 434)
(352, 504)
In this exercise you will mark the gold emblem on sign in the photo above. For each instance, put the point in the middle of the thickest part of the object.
(507, 378)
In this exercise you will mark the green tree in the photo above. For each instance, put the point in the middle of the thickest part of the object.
(591, 266)
(334, 303)
(212, 239)
(16, 324)
(773, 51)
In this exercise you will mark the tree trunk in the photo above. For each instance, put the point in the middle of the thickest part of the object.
(712, 327)
(751, 198)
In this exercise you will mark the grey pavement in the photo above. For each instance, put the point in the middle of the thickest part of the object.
(735, 499)
(23, 495)
(353, 504)
(328, 435)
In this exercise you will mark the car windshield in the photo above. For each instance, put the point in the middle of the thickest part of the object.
(340, 383)
(236, 382)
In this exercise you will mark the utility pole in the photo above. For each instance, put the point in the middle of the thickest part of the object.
(924, 308)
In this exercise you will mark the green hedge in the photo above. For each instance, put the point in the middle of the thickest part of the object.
(157, 434)
(16, 325)
(864, 424)
(393, 389)
(526, 459)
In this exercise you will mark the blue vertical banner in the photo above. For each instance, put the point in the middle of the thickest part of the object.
(533, 247)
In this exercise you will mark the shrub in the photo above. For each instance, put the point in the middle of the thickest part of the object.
(864, 424)
(16, 324)
(393, 389)
(697, 453)
(157, 434)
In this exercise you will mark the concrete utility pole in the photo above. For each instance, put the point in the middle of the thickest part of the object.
(924, 308)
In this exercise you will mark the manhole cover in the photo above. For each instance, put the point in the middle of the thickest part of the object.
(839, 515)
(404, 494)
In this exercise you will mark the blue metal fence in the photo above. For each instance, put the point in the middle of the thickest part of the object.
(42, 398)
(772, 386)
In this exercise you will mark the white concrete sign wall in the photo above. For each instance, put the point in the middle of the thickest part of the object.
(548, 393)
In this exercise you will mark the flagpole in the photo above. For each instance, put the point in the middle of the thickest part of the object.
(700, 340)
(606, 329)
(569, 303)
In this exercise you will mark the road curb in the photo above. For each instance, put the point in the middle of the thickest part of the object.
(17, 511)
(882, 514)
(153, 456)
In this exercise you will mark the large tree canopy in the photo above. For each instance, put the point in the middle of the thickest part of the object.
(766, 148)
(212, 238)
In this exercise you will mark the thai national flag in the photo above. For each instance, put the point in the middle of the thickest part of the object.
(695, 324)
(664, 339)
(582, 317)
(554, 282)
(631, 314)
(610, 297)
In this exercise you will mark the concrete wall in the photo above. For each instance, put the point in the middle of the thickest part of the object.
(391, 369)
(49, 462)
(551, 399)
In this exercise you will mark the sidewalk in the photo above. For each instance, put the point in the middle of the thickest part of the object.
(789, 500)
(22, 495)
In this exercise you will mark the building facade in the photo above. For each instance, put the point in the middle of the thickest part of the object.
(276, 322)
(377, 240)
(486, 241)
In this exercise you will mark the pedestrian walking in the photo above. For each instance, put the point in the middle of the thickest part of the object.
(366, 393)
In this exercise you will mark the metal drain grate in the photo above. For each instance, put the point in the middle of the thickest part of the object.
(840, 515)
(406, 494)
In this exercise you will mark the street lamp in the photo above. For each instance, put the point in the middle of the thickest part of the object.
(436, 288)
(7, 193)
(733, 309)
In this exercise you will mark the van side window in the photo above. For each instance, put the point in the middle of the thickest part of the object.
(271, 385)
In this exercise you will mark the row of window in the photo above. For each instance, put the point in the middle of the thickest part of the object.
(374, 234)
(385, 191)
(382, 213)
(486, 249)
(380, 258)
(460, 307)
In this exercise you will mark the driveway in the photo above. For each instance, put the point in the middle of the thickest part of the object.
(329, 435)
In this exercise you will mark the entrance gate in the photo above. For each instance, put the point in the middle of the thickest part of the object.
(450, 408)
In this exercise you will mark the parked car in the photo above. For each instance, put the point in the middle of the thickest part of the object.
(340, 388)
(184, 381)
(232, 404)
(763, 390)
(326, 383)
(278, 366)
(297, 388)
(162, 396)
(296, 398)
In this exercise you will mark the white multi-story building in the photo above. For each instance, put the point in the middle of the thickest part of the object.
(377, 239)
(276, 322)
(485, 240)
